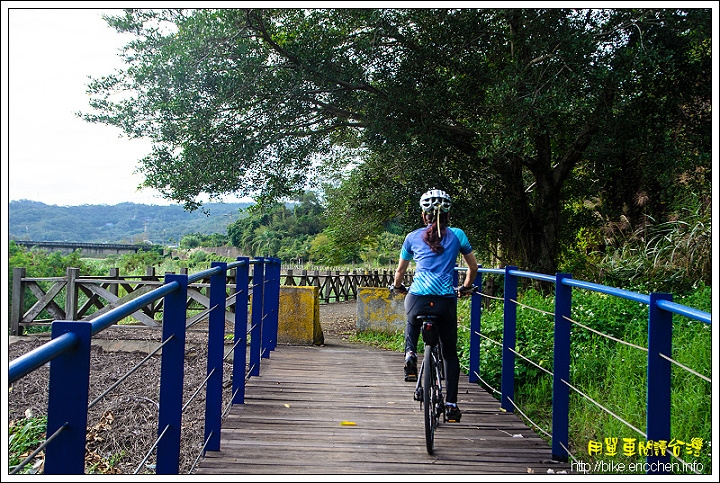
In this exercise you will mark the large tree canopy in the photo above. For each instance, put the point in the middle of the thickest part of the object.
(518, 113)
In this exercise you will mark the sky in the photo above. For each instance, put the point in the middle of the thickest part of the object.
(51, 155)
(48, 153)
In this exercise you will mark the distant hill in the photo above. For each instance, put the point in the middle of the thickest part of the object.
(121, 223)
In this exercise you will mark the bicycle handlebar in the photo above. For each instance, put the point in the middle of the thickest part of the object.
(463, 291)
(460, 291)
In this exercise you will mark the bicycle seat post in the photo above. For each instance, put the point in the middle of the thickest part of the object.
(429, 329)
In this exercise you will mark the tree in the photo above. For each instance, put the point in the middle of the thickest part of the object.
(509, 110)
(275, 229)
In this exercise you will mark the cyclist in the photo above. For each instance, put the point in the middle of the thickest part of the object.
(435, 249)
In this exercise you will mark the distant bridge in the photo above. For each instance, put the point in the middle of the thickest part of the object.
(88, 249)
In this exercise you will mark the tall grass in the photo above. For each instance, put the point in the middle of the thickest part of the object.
(670, 256)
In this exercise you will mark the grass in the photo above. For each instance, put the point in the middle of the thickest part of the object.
(24, 436)
(393, 341)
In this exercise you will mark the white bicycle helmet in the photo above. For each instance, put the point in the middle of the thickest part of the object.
(435, 201)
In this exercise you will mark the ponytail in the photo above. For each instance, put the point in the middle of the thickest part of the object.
(436, 229)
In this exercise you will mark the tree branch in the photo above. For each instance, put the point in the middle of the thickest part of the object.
(265, 35)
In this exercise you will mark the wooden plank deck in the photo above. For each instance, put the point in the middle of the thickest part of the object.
(291, 422)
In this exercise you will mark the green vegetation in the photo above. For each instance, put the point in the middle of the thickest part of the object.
(24, 436)
(544, 125)
(672, 256)
(385, 340)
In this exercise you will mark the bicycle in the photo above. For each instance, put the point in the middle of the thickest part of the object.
(429, 386)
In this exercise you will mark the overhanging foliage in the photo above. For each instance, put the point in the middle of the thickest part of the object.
(520, 114)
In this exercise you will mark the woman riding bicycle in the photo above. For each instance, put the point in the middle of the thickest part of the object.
(434, 249)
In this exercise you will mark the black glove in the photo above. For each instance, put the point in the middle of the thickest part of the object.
(463, 291)
(401, 289)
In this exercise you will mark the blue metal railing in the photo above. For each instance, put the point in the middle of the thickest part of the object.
(68, 353)
(660, 311)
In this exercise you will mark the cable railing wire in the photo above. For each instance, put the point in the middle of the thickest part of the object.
(202, 451)
(529, 420)
(530, 362)
(157, 441)
(129, 373)
(604, 408)
(249, 372)
(567, 450)
(200, 316)
(232, 350)
(486, 384)
(489, 339)
(229, 405)
(200, 386)
(685, 367)
(604, 335)
(532, 308)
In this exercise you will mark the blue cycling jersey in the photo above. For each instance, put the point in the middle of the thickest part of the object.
(433, 271)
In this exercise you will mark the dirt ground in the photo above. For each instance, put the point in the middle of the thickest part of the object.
(122, 425)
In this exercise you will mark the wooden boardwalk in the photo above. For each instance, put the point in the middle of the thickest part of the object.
(292, 422)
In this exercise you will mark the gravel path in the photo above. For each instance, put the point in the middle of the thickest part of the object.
(338, 320)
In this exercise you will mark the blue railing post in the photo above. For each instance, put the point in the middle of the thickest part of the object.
(275, 302)
(258, 283)
(475, 314)
(507, 382)
(658, 380)
(241, 328)
(269, 309)
(561, 368)
(68, 401)
(172, 373)
(216, 353)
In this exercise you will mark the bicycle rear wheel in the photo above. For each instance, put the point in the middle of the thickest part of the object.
(429, 398)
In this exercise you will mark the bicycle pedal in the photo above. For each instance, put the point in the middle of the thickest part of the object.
(411, 378)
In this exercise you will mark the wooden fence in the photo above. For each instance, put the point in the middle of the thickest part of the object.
(91, 296)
